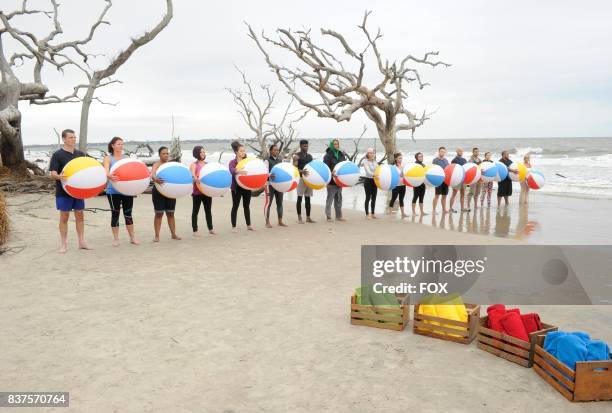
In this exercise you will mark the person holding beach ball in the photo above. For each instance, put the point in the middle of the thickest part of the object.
(162, 204)
(239, 193)
(371, 190)
(300, 160)
(487, 186)
(441, 190)
(475, 187)
(271, 193)
(198, 198)
(399, 192)
(333, 156)
(504, 187)
(117, 200)
(64, 202)
(459, 160)
(418, 192)
(524, 197)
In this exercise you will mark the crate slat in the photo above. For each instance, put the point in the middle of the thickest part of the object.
(500, 353)
(421, 325)
(465, 336)
(394, 318)
(568, 395)
(522, 352)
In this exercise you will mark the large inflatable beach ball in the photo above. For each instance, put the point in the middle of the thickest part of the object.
(284, 177)
(214, 179)
(256, 173)
(347, 174)
(522, 172)
(472, 173)
(133, 176)
(386, 177)
(414, 175)
(177, 178)
(85, 178)
(454, 175)
(318, 175)
(502, 171)
(488, 171)
(434, 175)
(535, 179)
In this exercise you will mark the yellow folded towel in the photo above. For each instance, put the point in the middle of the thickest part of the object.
(450, 308)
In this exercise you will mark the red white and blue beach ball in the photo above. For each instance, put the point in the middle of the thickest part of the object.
(472, 173)
(535, 179)
(133, 176)
(177, 178)
(256, 173)
(488, 171)
(434, 175)
(284, 177)
(214, 179)
(386, 177)
(454, 175)
(347, 174)
(318, 174)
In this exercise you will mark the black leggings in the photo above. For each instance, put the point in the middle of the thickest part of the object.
(418, 194)
(116, 202)
(400, 191)
(207, 202)
(298, 205)
(244, 194)
(273, 194)
(371, 190)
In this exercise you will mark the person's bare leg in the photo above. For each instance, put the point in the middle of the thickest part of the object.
(268, 225)
(281, 223)
(172, 225)
(132, 234)
(452, 200)
(79, 217)
(435, 204)
(157, 222)
(413, 210)
(63, 229)
(462, 198)
(422, 210)
(403, 212)
(115, 231)
(444, 209)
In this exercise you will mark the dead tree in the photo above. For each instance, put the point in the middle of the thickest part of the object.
(341, 92)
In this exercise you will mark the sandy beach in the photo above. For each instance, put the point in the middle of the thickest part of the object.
(253, 321)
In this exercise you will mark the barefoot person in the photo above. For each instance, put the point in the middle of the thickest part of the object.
(399, 192)
(459, 160)
(333, 156)
(238, 192)
(504, 187)
(64, 202)
(161, 204)
(476, 186)
(442, 190)
(197, 197)
(418, 192)
(371, 190)
(116, 199)
(487, 187)
(524, 198)
(271, 193)
(300, 160)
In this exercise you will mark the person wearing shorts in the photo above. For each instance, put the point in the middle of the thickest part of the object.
(300, 160)
(442, 190)
(476, 187)
(161, 204)
(64, 202)
(459, 160)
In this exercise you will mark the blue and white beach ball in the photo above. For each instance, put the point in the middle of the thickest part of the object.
(434, 175)
(488, 171)
(214, 179)
(178, 181)
(386, 176)
(347, 174)
(318, 175)
(284, 177)
(502, 171)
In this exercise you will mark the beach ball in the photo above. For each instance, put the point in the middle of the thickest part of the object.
(85, 178)
(502, 171)
(522, 172)
(488, 171)
(214, 179)
(133, 176)
(414, 174)
(256, 173)
(454, 175)
(472, 173)
(178, 181)
(386, 176)
(434, 175)
(319, 174)
(347, 174)
(535, 179)
(286, 177)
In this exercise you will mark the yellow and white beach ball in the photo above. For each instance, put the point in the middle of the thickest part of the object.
(318, 174)
(85, 177)
(414, 175)
(386, 177)
(522, 172)
(256, 173)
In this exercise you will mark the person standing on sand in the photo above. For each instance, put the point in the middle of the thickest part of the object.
(197, 196)
(64, 202)
(116, 199)
(459, 160)
(333, 156)
(476, 186)
(441, 190)
(524, 198)
(271, 193)
(300, 160)
(504, 187)
(371, 190)
(238, 192)
(400, 189)
(418, 192)
(487, 187)
(161, 204)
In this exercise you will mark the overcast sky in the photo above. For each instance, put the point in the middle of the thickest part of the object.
(520, 69)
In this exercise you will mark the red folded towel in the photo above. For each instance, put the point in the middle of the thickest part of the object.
(513, 325)
(496, 312)
(531, 322)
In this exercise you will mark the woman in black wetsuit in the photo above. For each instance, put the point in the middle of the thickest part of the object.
(418, 193)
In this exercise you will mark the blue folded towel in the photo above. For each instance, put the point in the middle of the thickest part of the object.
(570, 348)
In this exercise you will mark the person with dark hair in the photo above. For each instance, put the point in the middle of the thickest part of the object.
(476, 187)
(418, 192)
(197, 197)
(271, 193)
(400, 189)
(300, 160)
(238, 192)
(162, 204)
(442, 190)
(487, 187)
(459, 160)
(371, 190)
(64, 202)
(504, 187)
(333, 156)
(116, 199)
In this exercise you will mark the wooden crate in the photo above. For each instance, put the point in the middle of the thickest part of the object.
(508, 347)
(466, 336)
(388, 318)
(591, 381)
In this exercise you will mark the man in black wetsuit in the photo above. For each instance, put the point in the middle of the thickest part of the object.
(300, 160)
